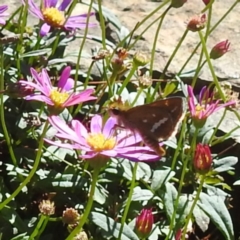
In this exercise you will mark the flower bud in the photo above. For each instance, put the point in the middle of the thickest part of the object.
(46, 207)
(202, 159)
(177, 3)
(81, 236)
(140, 59)
(206, 2)
(144, 223)
(70, 216)
(197, 23)
(145, 81)
(219, 49)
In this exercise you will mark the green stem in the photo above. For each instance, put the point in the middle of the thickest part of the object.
(179, 146)
(221, 139)
(143, 21)
(212, 29)
(217, 127)
(174, 53)
(43, 227)
(156, 38)
(84, 217)
(2, 113)
(193, 206)
(37, 45)
(82, 45)
(102, 23)
(128, 200)
(200, 66)
(22, 25)
(35, 233)
(32, 172)
(181, 183)
(126, 81)
(169, 62)
(140, 90)
(55, 43)
(76, 111)
(111, 82)
(215, 80)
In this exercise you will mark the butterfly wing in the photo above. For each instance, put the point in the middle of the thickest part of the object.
(158, 120)
(154, 122)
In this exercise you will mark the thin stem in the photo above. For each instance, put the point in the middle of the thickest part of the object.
(32, 172)
(128, 200)
(193, 206)
(174, 53)
(88, 208)
(102, 23)
(221, 139)
(200, 66)
(169, 62)
(215, 80)
(2, 113)
(35, 233)
(179, 144)
(36, 47)
(181, 183)
(143, 21)
(55, 43)
(217, 127)
(82, 45)
(43, 226)
(212, 29)
(126, 81)
(140, 90)
(76, 111)
(156, 38)
(23, 21)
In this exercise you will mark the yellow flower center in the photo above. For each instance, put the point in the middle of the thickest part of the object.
(53, 17)
(198, 110)
(58, 97)
(98, 142)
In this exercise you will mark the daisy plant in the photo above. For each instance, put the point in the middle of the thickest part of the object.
(206, 105)
(54, 15)
(101, 139)
(58, 97)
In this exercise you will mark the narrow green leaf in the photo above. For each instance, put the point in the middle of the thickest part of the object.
(141, 194)
(169, 198)
(39, 52)
(225, 164)
(111, 227)
(160, 177)
(215, 208)
(201, 218)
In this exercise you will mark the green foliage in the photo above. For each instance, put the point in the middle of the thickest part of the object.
(46, 167)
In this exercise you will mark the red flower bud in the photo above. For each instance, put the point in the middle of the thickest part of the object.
(144, 223)
(202, 159)
(178, 234)
(197, 23)
(206, 2)
(219, 49)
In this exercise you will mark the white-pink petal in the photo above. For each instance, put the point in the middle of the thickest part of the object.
(96, 124)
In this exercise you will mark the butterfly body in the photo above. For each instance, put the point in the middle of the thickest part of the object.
(154, 122)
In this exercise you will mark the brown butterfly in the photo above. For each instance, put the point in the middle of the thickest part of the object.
(154, 122)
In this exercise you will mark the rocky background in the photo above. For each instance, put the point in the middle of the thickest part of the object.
(128, 13)
(131, 12)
